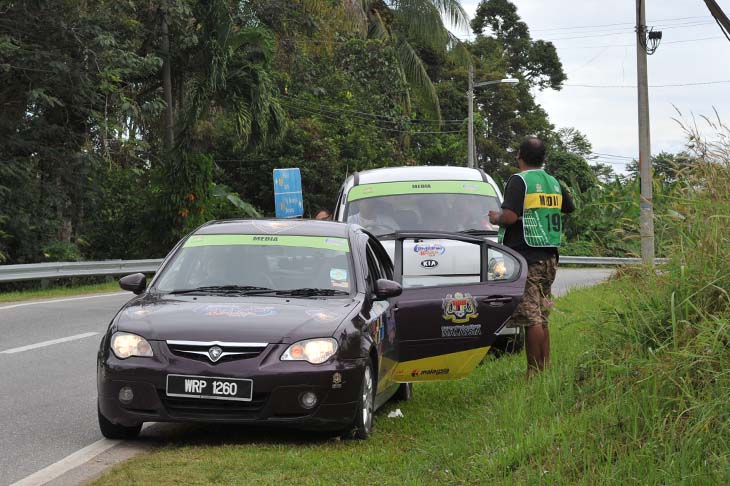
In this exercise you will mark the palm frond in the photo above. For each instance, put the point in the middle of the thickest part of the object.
(450, 9)
(459, 52)
(378, 29)
(422, 22)
(415, 73)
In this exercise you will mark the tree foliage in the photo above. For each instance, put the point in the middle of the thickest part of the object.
(329, 87)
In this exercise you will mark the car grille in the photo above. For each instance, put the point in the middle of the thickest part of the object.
(213, 409)
(201, 350)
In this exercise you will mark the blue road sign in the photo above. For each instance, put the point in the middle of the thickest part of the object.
(288, 193)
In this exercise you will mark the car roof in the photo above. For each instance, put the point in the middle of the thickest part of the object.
(419, 173)
(298, 227)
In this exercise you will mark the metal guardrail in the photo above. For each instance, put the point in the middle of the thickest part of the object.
(593, 261)
(46, 271)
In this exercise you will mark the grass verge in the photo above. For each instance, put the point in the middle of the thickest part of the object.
(565, 427)
(54, 292)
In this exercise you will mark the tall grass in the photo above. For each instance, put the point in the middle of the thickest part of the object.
(666, 351)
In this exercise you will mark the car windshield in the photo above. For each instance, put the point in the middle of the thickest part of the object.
(257, 264)
(423, 212)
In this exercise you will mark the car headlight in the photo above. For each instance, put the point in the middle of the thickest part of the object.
(125, 345)
(315, 351)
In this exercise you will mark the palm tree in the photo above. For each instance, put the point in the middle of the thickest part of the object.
(405, 23)
(230, 72)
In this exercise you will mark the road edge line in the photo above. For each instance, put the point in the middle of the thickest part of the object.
(50, 342)
(68, 463)
(68, 299)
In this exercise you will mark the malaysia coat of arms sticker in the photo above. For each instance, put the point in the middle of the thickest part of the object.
(459, 308)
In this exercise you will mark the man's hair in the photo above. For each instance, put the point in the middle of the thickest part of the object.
(532, 151)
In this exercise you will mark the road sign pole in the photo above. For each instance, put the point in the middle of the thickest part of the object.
(645, 173)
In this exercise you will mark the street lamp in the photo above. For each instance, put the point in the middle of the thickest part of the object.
(470, 97)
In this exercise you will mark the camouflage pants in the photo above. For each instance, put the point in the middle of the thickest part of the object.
(535, 306)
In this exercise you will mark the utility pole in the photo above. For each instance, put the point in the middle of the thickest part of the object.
(470, 99)
(646, 220)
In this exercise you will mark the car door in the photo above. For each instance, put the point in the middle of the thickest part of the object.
(380, 318)
(443, 331)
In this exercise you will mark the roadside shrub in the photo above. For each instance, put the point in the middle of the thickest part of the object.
(61, 251)
(666, 351)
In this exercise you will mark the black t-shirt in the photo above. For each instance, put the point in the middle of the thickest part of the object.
(514, 237)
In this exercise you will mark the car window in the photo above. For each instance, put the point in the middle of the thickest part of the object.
(501, 266)
(374, 270)
(272, 261)
(422, 212)
(428, 263)
(378, 257)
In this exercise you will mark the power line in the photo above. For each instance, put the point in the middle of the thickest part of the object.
(335, 118)
(681, 41)
(612, 156)
(368, 116)
(626, 32)
(652, 86)
(631, 24)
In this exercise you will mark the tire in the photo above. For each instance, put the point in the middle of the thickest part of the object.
(404, 393)
(114, 431)
(362, 425)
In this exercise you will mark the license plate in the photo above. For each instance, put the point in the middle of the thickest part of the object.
(210, 387)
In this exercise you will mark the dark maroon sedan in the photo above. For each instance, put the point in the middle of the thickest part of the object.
(297, 323)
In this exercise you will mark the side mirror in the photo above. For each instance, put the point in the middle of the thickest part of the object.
(136, 283)
(385, 289)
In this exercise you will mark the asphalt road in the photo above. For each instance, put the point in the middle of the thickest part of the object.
(48, 392)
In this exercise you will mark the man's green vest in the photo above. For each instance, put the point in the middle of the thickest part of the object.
(541, 219)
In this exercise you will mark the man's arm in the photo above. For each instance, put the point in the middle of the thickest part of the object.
(514, 200)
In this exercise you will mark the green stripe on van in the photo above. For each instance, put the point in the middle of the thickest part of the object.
(319, 242)
(365, 191)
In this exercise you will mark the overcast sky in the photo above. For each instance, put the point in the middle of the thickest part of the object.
(608, 116)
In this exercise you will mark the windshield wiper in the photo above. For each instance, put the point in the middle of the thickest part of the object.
(307, 292)
(221, 289)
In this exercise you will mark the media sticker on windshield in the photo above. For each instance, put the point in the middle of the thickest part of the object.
(338, 279)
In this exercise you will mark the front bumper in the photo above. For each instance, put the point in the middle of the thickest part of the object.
(277, 386)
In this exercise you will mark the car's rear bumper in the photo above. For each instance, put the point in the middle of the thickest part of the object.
(277, 387)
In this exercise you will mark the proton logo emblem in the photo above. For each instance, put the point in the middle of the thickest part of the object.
(215, 353)
(429, 263)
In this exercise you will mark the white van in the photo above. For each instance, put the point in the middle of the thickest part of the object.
(429, 198)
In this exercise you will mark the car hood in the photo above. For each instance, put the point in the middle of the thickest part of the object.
(232, 319)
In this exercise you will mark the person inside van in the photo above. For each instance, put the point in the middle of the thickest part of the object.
(323, 215)
(374, 213)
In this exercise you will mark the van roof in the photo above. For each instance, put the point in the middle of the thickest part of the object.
(419, 173)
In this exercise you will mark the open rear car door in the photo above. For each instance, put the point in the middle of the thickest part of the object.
(444, 331)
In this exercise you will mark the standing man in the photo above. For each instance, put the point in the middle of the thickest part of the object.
(530, 223)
